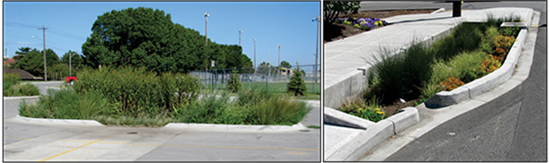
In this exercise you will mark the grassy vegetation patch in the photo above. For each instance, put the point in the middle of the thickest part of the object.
(135, 97)
(471, 51)
(13, 87)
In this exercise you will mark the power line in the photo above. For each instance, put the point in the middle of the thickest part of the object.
(66, 34)
(14, 24)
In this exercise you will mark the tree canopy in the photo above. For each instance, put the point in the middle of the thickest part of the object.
(144, 37)
(286, 64)
(32, 61)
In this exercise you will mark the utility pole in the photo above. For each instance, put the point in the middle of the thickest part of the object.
(44, 51)
(206, 26)
(240, 37)
(316, 47)
(254, 53)
(279, 61)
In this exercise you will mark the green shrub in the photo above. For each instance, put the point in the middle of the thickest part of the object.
(234, 84)
(13, 87)
(67, 104)
(135, 91)
(11, 79)
(297, 85)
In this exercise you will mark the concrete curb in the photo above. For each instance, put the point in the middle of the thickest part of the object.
(20, 97)
(64, 122)
(438, 11)
(186, 126)
(334, 116)
(483, 84)
(235, 128)
(357, 145)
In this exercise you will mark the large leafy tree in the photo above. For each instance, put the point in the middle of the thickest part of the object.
(331, 9)
(144, 37)
(32, 61)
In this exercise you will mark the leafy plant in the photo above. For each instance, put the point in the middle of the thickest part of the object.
(234, 84)
(297, 85)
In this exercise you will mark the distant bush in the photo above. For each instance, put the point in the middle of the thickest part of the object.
(297, 85)
(13, 87)
(234, 84)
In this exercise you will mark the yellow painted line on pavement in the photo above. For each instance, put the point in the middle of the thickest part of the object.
(62, 153)
(200, 146)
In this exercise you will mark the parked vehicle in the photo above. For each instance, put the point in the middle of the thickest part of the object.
(70, 79)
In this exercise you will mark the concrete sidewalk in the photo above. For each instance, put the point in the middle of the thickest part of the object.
(344, 57)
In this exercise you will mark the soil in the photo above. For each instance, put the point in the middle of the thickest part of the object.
(339, 31)
(392, 109)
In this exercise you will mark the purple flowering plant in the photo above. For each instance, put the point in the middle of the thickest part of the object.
(362, 23)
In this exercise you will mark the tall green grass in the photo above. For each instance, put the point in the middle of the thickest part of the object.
(67, 104)
(13, 87)
(105, 96)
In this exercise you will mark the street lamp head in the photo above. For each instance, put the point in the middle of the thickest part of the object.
(254, 40)
(206, 14)
(315, 19)
(240, 31)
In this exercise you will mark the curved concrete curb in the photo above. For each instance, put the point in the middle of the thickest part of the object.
(21, 97)
(234, 128)
(186, 126)
(65, 122)
(356, 146)
(483, 84)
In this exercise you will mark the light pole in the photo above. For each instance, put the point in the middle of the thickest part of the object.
(254, 53)
(240, 37)
(206, 26)
(279, 61)
(316, 47)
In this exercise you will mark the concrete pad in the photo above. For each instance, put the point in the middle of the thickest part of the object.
(366, 140)
(335, 137)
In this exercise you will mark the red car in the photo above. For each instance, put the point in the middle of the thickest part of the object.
(70, 79)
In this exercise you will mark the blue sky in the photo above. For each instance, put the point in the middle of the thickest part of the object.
(288, 24)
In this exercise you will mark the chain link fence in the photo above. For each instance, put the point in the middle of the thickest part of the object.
(271, 78)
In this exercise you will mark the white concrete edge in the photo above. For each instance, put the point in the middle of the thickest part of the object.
(49, 121)
(234, 128)
(187, 126)
(438, 11)
(337, 117)
(20, 97)
(483, 84)
(355, 146)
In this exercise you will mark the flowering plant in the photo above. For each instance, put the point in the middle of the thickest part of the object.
(451, 83)
(374, 115)
(362, 23)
